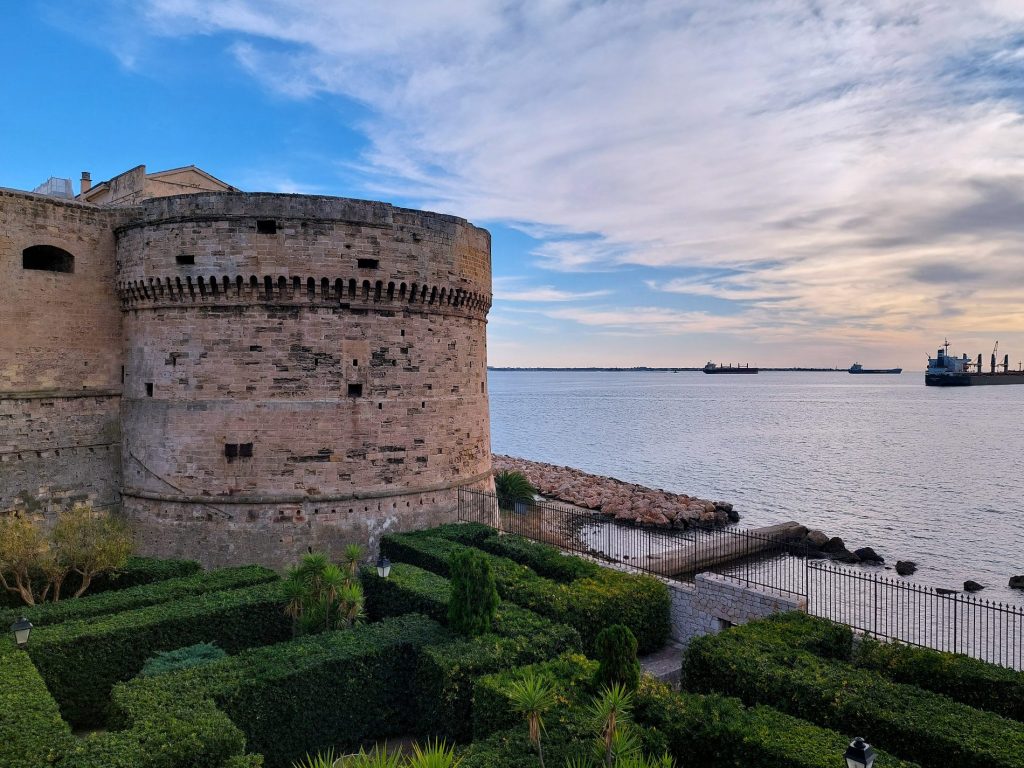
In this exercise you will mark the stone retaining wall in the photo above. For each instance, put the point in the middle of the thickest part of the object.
(714, 602)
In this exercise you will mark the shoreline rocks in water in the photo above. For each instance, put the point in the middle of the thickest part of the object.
(905, 567)
(625, 502)
(1016, 582)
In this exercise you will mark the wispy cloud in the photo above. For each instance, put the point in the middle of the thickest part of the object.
(849, 164)
(514, 289)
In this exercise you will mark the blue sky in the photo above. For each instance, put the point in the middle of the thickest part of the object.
(781, 182)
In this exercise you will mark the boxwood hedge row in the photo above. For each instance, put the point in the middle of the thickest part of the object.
(138, 597)
(445, 677)
(720, 731)
(588, 604)
(967, 680)
(915, 724)
(493, 710)
(546, 560)
(32, 732)
(81, 660)
(335, 689)
(407, 589)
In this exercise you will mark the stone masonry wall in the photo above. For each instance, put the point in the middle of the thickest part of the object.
(60, 355)
(337, 347)
(716, 602)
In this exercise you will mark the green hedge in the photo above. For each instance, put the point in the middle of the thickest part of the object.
(32, 732)
(81, 660)
(334, 689)
(407, 589)
(720, 731)
(967, 680)
(795, 629)
(588, 604)
(88, 606)
(546, 560)
(916, 724)
(444, 680)
(493, 710)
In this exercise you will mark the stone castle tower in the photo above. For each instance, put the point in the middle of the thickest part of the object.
(245, 375)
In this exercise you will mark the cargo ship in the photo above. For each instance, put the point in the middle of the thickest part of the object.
(946, 371)
(715, 368)
(858, 368)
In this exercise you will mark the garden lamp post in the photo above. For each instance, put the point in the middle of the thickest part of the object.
(22, 628)
(859, 754)
(383, 567)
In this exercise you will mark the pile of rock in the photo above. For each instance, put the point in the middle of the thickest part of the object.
(625, 502)
(820, 544)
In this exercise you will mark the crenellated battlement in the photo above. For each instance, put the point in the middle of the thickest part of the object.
(268, 289)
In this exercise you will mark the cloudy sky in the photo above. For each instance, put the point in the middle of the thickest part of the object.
(776, 181)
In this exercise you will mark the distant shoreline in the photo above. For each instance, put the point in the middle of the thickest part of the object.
(645, 369)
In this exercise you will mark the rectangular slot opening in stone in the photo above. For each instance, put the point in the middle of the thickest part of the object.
(149, 389)
(231, 450)
(355, 390)
(184, 259)
(266, 226)
(368, 263)
(245, 450)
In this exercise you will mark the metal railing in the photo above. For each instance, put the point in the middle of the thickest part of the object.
(758, 559)
(917, 615)
(875, 605)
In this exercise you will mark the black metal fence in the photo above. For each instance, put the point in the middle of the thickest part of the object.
(878, 606)
(756, 558)
(917, 615)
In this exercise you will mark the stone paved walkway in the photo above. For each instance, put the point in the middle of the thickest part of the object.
(665, 664)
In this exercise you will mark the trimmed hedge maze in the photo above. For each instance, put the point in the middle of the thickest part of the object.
(783, 693)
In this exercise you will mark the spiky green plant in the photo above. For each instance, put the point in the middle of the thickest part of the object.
(353, 555)
(474, 596)
(610, 712)
(533, 695)
(511, 486)
(378, 757)
(321, 596)
(319, 760)
(436, 754)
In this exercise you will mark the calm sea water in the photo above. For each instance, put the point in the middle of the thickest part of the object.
(925, 474)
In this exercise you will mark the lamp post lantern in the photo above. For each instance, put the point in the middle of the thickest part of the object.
(22, 628)
(859, 754)
(383, 567)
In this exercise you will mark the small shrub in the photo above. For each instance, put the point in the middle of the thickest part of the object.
(474, 597)
(616, 654)
(321, 596)
(182, 658)
(511, 486)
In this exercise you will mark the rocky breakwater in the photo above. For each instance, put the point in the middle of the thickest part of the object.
(625, 502)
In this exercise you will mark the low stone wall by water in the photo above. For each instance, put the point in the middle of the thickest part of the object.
(625, 502)
(713, 603)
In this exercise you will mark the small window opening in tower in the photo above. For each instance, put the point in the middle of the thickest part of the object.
(355, 390)
(184, 259)
(149, 389)
(266, 227)
(231, 451)
(355, 363)
(47, 258)
(368, 263)
(245, 450)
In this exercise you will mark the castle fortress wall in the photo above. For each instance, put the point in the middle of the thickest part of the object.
(60, 354)
(342, 343)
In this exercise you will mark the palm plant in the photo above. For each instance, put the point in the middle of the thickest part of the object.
(532, 696)
(511, 487)
(321, 596)
(319, 760)
(611, 712)
(437, 754)
(353, 555)
(378, 757)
